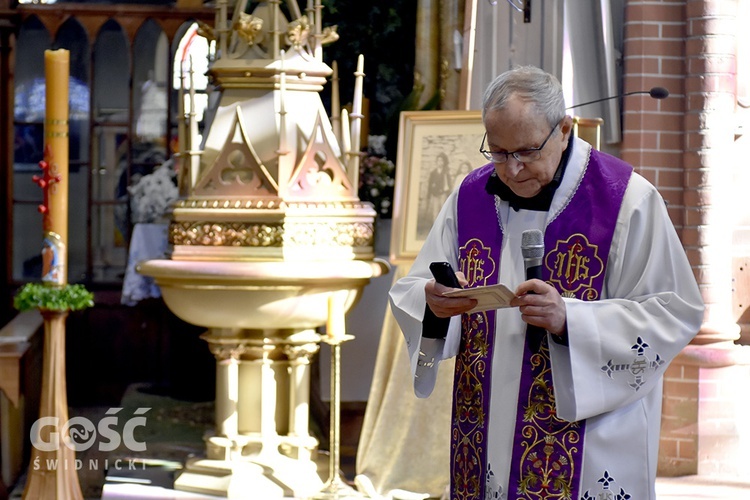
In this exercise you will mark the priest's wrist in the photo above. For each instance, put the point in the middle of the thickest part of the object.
(562, 337)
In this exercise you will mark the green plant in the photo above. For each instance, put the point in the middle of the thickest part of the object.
(41, 296)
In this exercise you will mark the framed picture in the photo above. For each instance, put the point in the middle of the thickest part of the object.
(436, 149)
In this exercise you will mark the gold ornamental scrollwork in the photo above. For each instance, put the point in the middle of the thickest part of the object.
(298, 31)
(330, 35)
(226, 351)
(301, 353)
(249, 29)
(206, 31)
(226, 234)
(356, 234)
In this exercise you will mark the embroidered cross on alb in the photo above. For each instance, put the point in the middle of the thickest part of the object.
(638, 367)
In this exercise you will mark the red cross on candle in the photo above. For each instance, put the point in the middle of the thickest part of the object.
(46, 181)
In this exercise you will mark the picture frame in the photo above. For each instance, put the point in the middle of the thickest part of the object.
(426, 139)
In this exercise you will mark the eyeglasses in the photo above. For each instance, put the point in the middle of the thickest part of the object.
(522, 156)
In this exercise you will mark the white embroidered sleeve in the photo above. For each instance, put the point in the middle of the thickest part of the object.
(620, 346)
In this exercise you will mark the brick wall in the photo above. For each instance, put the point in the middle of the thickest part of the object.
(679, 434)
(654, 56)
(723, 440)
(711, 82)
(683, 144)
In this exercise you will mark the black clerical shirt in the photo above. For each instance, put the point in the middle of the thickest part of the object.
(542, 200)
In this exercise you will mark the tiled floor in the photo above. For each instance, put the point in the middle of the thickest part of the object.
(173, 433)
(175, 430)
(702, 488)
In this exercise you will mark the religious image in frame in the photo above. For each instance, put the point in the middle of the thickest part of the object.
(436, 149)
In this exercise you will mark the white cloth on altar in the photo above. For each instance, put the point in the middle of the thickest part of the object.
(149, 241)
(649, 293)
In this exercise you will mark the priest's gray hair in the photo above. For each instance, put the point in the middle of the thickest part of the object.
(530, 84)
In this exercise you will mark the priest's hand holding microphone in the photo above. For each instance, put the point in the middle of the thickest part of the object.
(540, 304)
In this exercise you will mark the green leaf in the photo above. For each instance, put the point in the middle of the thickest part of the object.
(41, 296)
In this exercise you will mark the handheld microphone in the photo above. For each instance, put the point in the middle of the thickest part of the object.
(655, 92)
(532, 250)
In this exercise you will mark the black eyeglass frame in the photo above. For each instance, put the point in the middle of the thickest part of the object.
(527, 155)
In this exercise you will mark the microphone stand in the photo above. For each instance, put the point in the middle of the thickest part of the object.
(656, 93)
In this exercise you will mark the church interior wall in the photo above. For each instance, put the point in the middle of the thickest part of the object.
(156, 335)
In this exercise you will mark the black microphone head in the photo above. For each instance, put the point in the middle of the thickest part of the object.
(532, 244)
(658, 92)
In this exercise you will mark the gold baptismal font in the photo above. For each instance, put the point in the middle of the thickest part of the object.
(268, 241)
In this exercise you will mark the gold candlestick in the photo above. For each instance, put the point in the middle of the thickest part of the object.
(335, 487)
(52, 468)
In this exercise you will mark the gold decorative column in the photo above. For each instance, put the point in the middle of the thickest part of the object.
(52, 470)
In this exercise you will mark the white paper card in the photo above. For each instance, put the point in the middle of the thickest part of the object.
(487, 297)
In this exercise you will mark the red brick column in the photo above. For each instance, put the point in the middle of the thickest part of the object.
(681, 145)
(722, 366)
(709, 130)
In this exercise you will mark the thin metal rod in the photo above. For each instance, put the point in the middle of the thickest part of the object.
(335, 488)
(334, 433)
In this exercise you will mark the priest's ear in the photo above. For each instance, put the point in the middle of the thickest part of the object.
(566, 127)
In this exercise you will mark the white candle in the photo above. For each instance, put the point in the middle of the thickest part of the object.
(357, 121)
(336, 326)
(335, 102)
(346, 143)
(282, 107)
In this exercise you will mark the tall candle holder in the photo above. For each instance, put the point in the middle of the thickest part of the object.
(335, 487)
(52, 469)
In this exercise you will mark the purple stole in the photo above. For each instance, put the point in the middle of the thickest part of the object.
(547, 451)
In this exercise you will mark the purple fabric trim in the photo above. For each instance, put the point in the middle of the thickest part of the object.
(471, 386)
(577, 242)
(577, 246)
(547, 451)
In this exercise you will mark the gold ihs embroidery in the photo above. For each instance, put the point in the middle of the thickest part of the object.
(572, 265)
(477, 265)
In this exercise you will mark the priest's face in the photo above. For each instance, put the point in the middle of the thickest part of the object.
(518, 128)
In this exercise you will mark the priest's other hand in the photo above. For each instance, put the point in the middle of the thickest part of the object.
(444, 307)
(541, 305)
